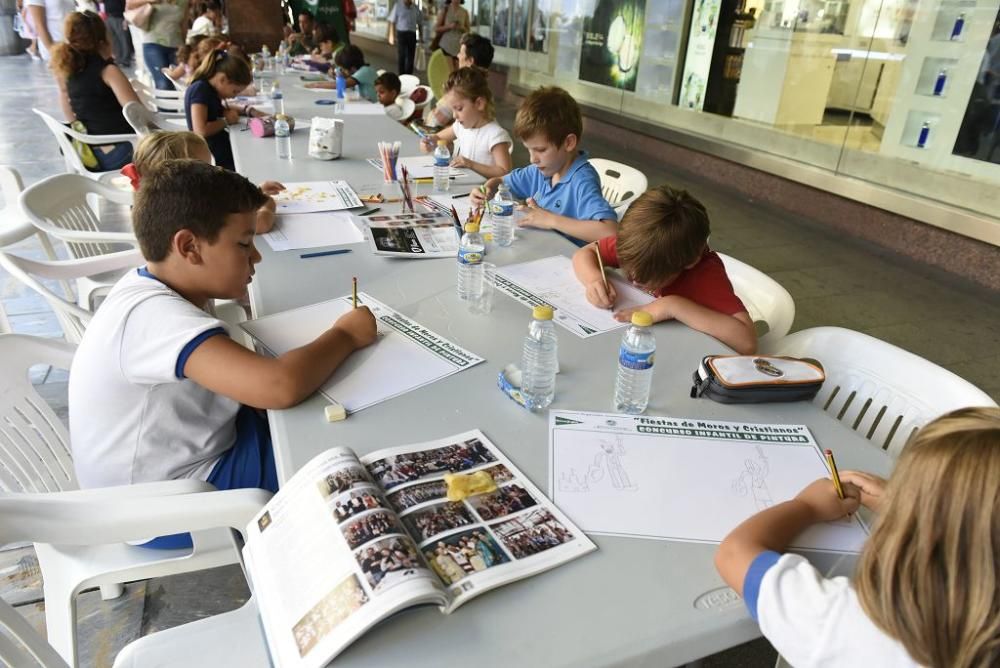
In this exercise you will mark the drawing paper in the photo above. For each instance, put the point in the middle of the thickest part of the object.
(312, 230)
(551, 281)
(315, 196)
(405, 356)
(684, 479)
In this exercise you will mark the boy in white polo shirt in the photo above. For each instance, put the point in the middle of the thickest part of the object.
(157, 389)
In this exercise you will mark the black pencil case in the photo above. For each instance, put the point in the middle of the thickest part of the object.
(754, 379)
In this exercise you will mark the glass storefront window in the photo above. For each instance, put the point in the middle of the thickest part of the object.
(371, 18)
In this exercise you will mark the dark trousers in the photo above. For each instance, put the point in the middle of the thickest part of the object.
(121, 40)
(406, 49)
(157, 56)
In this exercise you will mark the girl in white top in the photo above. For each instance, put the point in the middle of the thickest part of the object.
(927, 587)
(482, 145)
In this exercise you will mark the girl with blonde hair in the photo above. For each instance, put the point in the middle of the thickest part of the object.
(156, 147)
(926, 590)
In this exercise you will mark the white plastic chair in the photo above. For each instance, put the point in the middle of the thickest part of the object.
(145, 121)
(35, 273)
(64, 134)
(420, 106)
(766, 300)
(163, 101)
(35, 457)
(880, 391)
(179, 85)
(14, 226)
(408, 83)
(66, 206)
(620, 184)
(84, 519)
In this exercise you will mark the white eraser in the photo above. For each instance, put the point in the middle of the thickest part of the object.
(335, 413)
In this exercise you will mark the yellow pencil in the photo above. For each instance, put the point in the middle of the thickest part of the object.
(834, 473)
(600, 263)
(354, 291)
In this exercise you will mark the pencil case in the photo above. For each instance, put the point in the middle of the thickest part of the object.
(755, 379)
(263, 126)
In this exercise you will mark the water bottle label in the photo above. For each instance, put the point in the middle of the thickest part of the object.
(441, 162)
(503, 209)
(637, 361)
(469, 257)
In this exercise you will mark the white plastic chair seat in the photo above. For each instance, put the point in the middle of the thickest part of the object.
(766, 300)
(64, 134)
(408, 83)
(620, 184)
(230, 639)
(882, 392)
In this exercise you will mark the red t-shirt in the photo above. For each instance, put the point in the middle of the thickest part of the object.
(706, 283)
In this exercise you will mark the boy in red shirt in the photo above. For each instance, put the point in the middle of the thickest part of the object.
(662, 246)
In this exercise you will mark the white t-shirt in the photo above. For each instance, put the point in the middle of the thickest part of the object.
(476, 143)
(56, 12)
(814, 621)
(132, 417)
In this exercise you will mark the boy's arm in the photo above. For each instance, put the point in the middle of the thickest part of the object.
(587, 230)
(480, 195)
(775, 528)
(227, 368)
(588, 272)
(736, 331)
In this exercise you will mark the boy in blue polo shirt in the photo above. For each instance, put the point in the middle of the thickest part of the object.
(562, 191)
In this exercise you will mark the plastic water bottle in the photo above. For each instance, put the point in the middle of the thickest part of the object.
(442, 168)
(341, 91)
(539, 360)
(635, 365)
(502, 213)
(471, 249)
(282, 137)
(277, 98)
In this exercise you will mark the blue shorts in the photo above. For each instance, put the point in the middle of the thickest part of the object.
(249, 463)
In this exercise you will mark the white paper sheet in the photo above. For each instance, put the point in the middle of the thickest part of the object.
(315, 196)
(551, 281)
(312, 230)
(684, 479)
(362, 108)
(405, 356)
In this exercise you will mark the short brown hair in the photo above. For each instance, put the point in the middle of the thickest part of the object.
(471, 83)
(550, 111)
(192, 195)
(663, 231)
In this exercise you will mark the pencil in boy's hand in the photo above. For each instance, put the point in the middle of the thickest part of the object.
(834, 473)
(604, 276)
(354, 291)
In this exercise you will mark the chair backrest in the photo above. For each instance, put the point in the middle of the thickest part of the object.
(73, 162)
(20, 644)
(427, 99)
(66, 203)
(142, 120)
(766, 300)
(14, 226)
(34, 443)
(158, 100)
(620, 184)
(882, 392)
(179, 85)
(408, 83)
(438, 70)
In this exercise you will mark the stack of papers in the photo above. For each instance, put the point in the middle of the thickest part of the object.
(312, 230)
(314, 196)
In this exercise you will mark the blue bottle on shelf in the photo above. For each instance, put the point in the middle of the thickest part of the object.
(925, 132)
(959, 25)
(942, 77)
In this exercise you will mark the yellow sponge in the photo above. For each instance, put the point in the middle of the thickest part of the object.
(335, 413)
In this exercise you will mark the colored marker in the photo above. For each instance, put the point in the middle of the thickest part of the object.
(340, 251)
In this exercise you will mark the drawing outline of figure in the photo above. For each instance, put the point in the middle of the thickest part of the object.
(753, 480)
(609, 460)
(570, 481)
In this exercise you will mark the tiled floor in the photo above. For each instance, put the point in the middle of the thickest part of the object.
(834, 281)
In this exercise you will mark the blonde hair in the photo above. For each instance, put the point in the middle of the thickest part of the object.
(928, 574)
(162, 145)
(471, 83)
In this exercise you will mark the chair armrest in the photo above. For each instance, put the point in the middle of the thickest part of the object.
(66, 270)
(100, 140)
(141, 490)
(87, 237)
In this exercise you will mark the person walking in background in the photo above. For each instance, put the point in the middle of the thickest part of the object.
(452, 23)
(121, 41)
(403, 21)
(163, 35)
(46, 18)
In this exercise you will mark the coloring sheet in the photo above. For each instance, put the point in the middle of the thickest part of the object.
(314, 196)
(405, 356)
(551, 281)
(684, 479)
(312, 230)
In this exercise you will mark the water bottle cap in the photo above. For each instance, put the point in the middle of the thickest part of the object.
(542, 312)
(642, 319)
(472, 227)
(442, 142)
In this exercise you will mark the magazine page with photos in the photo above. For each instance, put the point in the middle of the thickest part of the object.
(484, 541)
(328, 558)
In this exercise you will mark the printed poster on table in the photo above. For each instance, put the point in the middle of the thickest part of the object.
(612, 42)
(698, 61)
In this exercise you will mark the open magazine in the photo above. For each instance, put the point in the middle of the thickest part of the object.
(350, 541)
(421, 235)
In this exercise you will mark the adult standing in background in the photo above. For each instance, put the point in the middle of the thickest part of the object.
(452, 24)
(121, 41)
(403, 21)
(47, 17)
(302, 41)
(163, 35)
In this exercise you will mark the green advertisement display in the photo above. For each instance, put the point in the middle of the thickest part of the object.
(612, 42)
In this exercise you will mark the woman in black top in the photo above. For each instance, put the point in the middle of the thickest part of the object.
(92, 89)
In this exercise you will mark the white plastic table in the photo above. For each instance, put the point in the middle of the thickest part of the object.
(633, 602)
